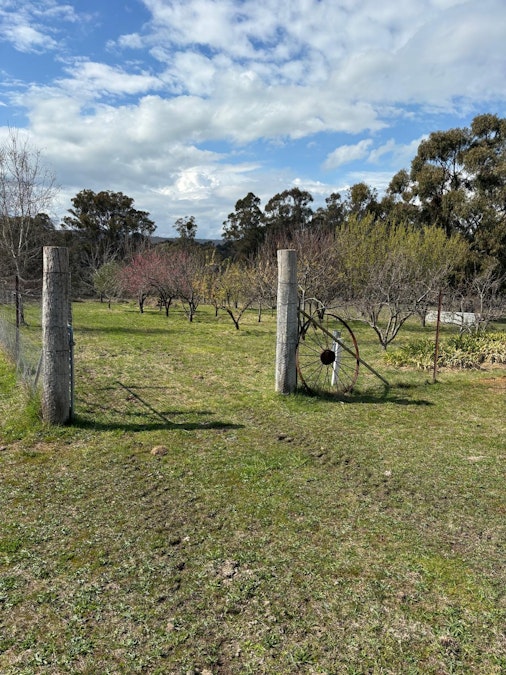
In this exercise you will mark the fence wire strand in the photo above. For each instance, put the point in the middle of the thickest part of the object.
(22, 343)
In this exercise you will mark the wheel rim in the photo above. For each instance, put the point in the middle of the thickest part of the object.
(327, 355)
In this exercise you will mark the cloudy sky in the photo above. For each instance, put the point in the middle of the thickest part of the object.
(188, 105)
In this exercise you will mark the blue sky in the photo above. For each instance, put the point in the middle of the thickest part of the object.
(188, 105)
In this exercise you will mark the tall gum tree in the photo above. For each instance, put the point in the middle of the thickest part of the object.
(458, 182)
(288, 212)
(106, 227)
(244, 228)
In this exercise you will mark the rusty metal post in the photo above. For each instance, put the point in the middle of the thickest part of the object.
(438, 328)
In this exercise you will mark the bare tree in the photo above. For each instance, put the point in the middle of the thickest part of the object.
(317, 263)
(238, 290)
(186, 268)
(147, 272)
(482, 293)
(27, 189)
(263, 278)
(388, 270)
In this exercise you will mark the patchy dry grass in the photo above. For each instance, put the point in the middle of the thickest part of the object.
(276, 534)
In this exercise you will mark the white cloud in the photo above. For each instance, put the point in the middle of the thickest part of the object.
(29, 26)
(205, 181)
(265, 69)
(396, 153)
(348, 153)
(28, 39)
(195, 72)
(140, 115)
(130, 41)
(95, 78)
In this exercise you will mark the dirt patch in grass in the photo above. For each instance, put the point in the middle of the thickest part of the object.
(498, 383)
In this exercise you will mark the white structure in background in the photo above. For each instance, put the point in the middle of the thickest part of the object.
(462, 319)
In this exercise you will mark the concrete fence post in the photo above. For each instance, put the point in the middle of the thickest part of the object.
(55, 337)
(287, 322)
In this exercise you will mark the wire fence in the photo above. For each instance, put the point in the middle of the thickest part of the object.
(21, 330)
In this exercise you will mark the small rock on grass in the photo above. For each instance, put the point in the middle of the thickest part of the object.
(159, 451)
(228, 569)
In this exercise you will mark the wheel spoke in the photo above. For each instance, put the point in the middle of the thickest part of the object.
(327, 355)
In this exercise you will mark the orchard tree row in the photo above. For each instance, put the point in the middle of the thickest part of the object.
(375, 271)
(441, 224)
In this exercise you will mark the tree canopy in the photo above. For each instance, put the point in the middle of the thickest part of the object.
(186, 228)
(107, 225)
(458, 182)
(287, 212)
(441, 221)
(244, 227)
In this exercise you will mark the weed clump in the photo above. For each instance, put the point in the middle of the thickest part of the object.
(461, 351)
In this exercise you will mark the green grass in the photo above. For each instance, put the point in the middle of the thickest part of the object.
(276, 535)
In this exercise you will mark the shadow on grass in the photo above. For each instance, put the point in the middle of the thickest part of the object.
(83, 422)
(125, 330)
(397, 400)
(379, 397)
(124, 419)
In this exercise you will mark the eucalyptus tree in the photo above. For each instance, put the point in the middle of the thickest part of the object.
(244, 228)
(439, 179)
(361, 201)
(458, 182)
(485, 160)
(186, 228)
(105, 226)
(399, 202)
(287, 212)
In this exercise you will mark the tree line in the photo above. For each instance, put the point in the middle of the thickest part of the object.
(442, 224)
(457, 182)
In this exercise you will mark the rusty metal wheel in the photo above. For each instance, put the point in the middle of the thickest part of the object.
(327, 354)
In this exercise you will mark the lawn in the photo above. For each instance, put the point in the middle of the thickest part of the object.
(191, 520)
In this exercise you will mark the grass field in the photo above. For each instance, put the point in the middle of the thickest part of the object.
(266, 534)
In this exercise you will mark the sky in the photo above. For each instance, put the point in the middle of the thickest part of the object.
(188, 105)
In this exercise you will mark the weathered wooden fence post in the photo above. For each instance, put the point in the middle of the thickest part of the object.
(287, 322)
(55, 336)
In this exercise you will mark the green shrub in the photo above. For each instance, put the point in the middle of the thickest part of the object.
(462, 351)
(418, 353)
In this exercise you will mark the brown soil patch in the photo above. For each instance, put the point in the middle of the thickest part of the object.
(498, 383)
